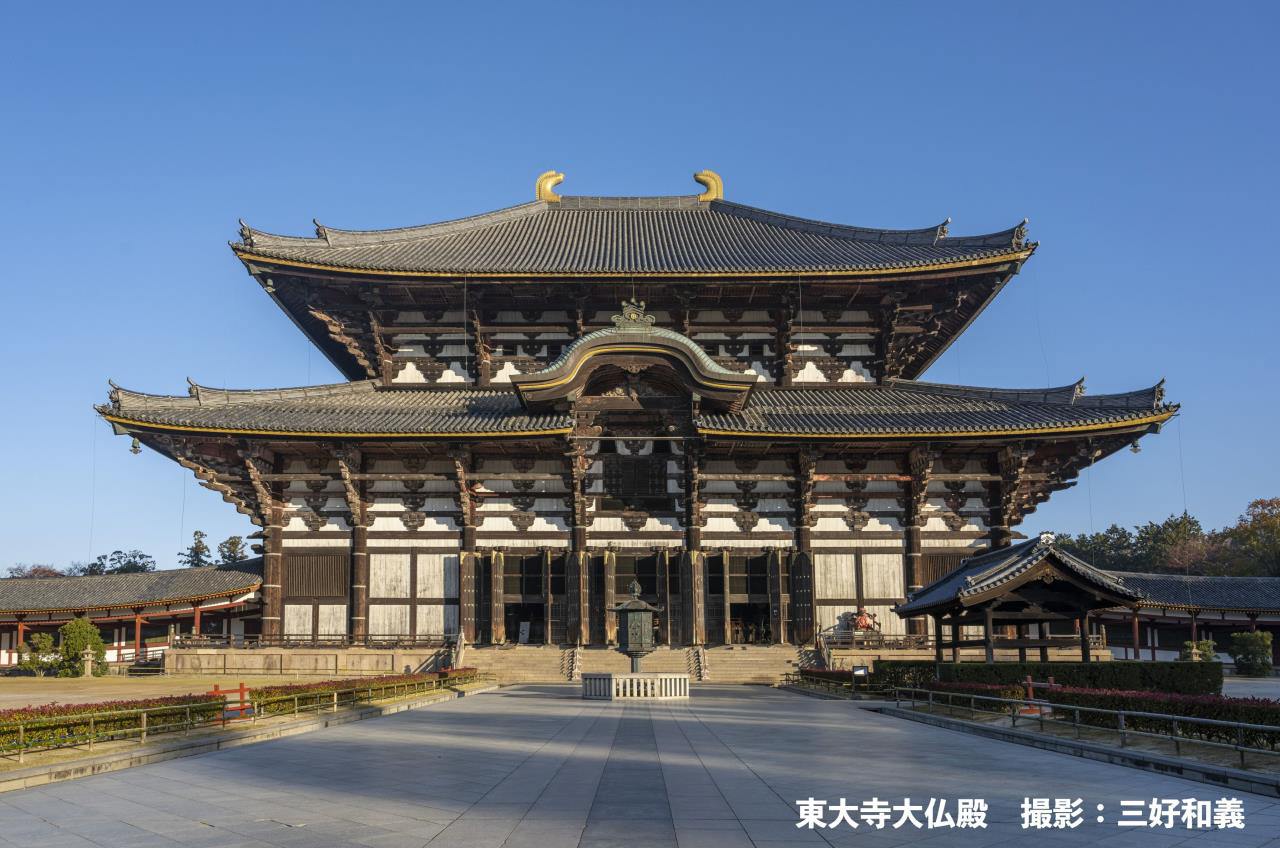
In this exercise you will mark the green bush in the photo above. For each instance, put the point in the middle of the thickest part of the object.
(38, 655)
(913, 674)
(1205, 648)
(1252, 653)
(1199, 678)
(79, 635)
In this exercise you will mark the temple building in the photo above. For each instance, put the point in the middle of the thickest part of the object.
(544, 403)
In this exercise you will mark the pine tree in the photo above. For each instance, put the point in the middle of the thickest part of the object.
(197, 555)
(232, 550)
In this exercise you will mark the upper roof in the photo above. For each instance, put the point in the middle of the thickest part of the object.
(979, 575)
(681, 236)
(867, 411)
(1201, 592)
(43, 594)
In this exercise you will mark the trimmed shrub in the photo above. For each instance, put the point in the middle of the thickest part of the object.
(992, 690)
(79, 634)
(39, 656)
(1206, 650)
(917, 674)
(1252, 653)
(1199, 678)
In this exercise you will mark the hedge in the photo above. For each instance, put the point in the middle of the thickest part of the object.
(912, 674)
(1243, 710)
(1187, 678)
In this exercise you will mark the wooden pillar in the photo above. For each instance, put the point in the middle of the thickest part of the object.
(1042, 630)
(728, 625)
(195, 615)
(610, 596)
(777, 599)
(937, 639)
(1086, 655)
(546, 596)
(1021, 632)
(1195, 629)
(359, 583)
(1153, 635)
(1253, 622)
(582, 580)
(664, 594)
(22, 632)
(955, 641)
(272, 577)
(696, 596)
(467, 595)
(497, 600)
(137, 636)
(1135, 634)
(988, 634)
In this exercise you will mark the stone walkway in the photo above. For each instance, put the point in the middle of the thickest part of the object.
(535, 767)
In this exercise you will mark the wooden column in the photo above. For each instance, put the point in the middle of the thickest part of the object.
(195, 616)
(1021, 635)
(937, 639)
(1253, 622)
(1086, 655)
(919, 466)
(664, 593)
(693, 588)
(1152, 634)
(582, 576)
(610, 597)
(137, 636)
(546, 596)
(467, 595)
(22, 632)
(988, 635)
(1042, 630)
(272, 577)
(497, 600)
(359, 583)
(1195, 628)
(1135, 635)
(728, 625)
(777, 600)
(955, 641)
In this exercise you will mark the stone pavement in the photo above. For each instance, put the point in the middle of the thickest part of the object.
(536, 767)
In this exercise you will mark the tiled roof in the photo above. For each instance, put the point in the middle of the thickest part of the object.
(899, 408)
(1181, 591)
(906, 407)
(980, 574)
(341, 408)
(35, 594)
(633, 235)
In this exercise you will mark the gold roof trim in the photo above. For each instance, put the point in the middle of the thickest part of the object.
(547, 180)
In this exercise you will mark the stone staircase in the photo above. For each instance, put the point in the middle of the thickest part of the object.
(520, 663)
(753, 663)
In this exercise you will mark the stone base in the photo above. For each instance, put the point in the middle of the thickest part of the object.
(652, 686)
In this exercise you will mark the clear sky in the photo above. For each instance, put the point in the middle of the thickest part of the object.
(1139, 138)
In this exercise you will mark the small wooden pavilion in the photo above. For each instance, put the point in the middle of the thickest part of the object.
(1006, 591)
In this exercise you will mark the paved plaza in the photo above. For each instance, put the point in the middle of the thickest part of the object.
(536, 767)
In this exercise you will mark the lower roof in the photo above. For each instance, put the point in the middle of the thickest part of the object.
(854, 411)
(1203, 592)
(108, 591)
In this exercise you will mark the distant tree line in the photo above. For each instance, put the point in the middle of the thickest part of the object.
(230, 551)
(1181, 545)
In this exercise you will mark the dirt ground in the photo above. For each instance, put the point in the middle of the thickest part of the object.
(24, 691)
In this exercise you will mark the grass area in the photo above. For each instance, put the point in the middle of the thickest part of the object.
(34, 691)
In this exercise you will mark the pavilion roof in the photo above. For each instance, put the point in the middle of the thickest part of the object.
(366, 409)
(981, 575)
(680, 236)
(44, 594)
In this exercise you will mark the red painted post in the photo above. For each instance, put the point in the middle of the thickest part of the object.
(137, 637)
(1135, 634)
(195, 625)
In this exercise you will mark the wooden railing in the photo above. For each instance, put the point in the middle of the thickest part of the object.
(1036, 710)
(18, 738)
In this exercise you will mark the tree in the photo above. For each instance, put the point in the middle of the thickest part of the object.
(197, 555)
(1255, 538)
(34, 570)
(232, 550)
(1113, 548)
(79, 635)
(38, 655)
(116, 562)
(1252, 653)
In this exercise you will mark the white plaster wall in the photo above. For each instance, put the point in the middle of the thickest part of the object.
(332, 620)
(388, 620)
(389, 575)
(297, 619)
(882, 576)
(834, 576)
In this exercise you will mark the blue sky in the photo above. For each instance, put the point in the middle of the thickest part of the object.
(1138, 138)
